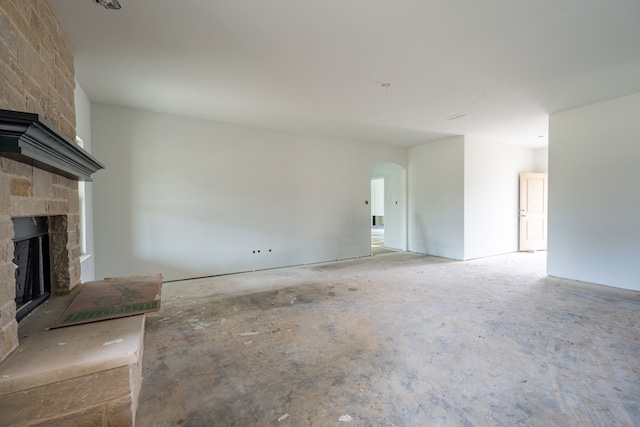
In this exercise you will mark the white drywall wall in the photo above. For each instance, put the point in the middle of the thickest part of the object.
(491, 195)
(436, 198)
(188, 197)
(542, 160)
(594, 195)
(83, 130)
(395, 201)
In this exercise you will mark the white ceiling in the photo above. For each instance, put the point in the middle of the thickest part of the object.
(319, 66)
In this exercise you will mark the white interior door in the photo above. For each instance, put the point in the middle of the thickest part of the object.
(533, 211)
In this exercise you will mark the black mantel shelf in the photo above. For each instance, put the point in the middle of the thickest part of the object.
(29, 138)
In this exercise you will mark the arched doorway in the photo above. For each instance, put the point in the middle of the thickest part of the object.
(388, 207)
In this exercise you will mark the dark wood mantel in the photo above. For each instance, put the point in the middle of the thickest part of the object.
(29, 138)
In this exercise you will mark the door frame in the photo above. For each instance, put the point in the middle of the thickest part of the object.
(533, 214)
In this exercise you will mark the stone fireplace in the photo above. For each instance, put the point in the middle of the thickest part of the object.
(82, 382)
(36, 62)
(39, 169)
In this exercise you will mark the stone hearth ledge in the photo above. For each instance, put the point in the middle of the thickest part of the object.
(65, 353)
(78, 373)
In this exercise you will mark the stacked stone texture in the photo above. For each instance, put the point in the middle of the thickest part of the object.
(36, 65)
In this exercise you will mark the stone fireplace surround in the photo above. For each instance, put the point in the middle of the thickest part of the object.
(39, 169)
(81, 375)
(27, 191)
(37, 68)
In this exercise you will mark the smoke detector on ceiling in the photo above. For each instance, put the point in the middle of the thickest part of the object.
(109, 4)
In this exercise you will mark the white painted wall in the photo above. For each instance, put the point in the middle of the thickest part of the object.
(594, 196)
(395, 204)
(83, 130)
(491, 195)
(436, 198)
(188, 197)
(541, 160)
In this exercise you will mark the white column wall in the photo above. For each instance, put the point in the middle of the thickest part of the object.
(436, 198)
(594, 200)
(542, 160)
(188, 197)
(491, 195)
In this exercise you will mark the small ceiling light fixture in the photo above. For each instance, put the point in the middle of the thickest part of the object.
(109, 4)
(456, 116)
(386, 87)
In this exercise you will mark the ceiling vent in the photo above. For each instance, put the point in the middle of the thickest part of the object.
(456, 116)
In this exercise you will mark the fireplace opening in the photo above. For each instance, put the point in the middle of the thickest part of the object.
(31, 263)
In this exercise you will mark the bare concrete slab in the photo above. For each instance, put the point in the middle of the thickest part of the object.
(396, 339)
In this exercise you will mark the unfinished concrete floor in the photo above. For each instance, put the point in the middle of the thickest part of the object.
(393, 340)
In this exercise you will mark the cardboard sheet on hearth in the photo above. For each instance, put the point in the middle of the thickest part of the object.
(112, 298)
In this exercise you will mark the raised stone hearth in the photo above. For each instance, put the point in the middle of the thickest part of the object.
(85, 375)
